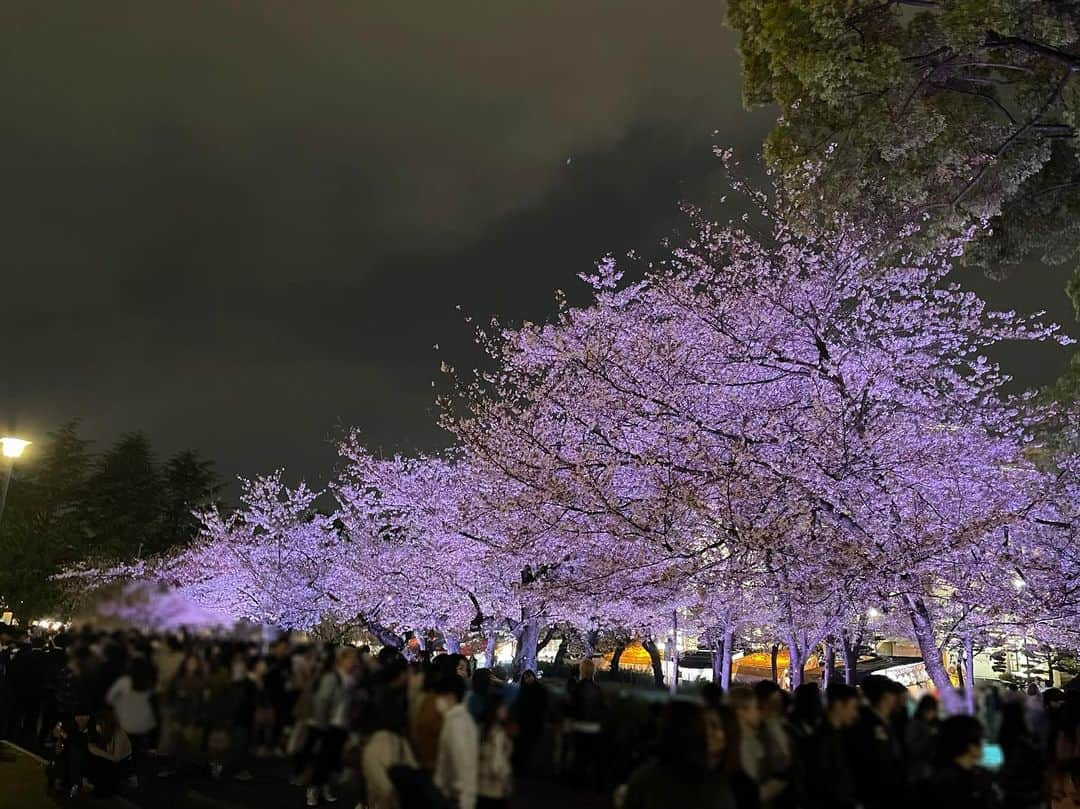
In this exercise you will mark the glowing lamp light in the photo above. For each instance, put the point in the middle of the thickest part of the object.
(1019, 584)
(12, 447)
(872, 613)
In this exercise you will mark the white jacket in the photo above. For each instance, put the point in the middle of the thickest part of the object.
(385, 749)
(496, 775)
(458, 756)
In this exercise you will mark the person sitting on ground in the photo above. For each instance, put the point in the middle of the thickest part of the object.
(110, 754)
(68, 766)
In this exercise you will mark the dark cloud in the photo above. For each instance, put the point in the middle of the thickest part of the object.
(240, 225)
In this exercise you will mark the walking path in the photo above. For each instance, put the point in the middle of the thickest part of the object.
(22, 786)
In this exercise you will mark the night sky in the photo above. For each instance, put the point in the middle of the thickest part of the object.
(241, 226)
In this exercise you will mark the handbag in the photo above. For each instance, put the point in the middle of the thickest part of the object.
(414, 787)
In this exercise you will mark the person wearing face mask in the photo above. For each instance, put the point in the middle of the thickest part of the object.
(331, 721)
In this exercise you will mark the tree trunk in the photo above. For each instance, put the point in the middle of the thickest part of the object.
(728, 651)
(528, 640)
(923, 630)
(718, 660)
(489, 651)
(590, 640)
(560, 653)
(1049, 667)
(798, 651)
(797, 668)
(452, 643)
(829, 664)
(851, 651)
(657, 662)
(775, 651)
(615, 657)
(384, 635)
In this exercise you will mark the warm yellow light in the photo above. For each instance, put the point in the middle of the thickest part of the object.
(13, 447)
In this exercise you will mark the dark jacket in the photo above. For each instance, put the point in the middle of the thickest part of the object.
(957, 788)
(1022, 775)
(654, 786)
(878, 762)
(830, 774)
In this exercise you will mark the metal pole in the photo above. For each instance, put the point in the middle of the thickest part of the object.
(7, 483)
(674, 652)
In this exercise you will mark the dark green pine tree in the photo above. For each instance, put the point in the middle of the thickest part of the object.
(45, 522)
(126, 499)
(190, 483)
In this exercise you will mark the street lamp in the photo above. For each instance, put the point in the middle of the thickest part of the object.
(11, 448)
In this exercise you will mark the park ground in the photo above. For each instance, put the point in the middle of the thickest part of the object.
(22, 786)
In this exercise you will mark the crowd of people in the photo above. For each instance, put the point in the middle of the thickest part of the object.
(110, 708)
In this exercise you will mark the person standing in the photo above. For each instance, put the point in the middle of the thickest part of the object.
(688, 770)
(1023, 771)
(587, 715)
(746, 707)
(879, 763)
(830, 779)
(457, 759)
(130, 697)
(958, 782)
(530, 710)
(330, 721)
(921, 741)
(495, 774)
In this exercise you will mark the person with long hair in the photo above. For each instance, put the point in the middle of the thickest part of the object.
(530, 711)
(495, 775)
(921, 739)
(689, 766)
(186, 697)
(1022, 775)
(131, 697)
(110, 754)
